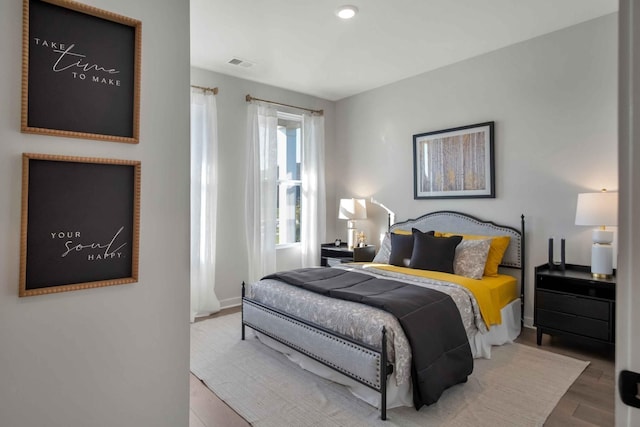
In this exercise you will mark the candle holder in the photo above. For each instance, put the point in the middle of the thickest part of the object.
(552, 264)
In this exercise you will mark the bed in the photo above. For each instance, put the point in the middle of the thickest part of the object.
(366, 348)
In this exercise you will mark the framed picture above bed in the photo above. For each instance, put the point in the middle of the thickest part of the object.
(454, 163)
(80, 71)
(80, 223)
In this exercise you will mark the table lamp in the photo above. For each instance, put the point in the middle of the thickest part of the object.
(351, 210)
(599, 209)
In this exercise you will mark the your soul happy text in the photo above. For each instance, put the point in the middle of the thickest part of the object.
(94, 251)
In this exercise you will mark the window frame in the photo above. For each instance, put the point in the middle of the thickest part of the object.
(282, 115)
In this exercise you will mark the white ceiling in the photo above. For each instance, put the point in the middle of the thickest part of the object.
(302, 46)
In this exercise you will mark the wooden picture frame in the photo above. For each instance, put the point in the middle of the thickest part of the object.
(80, 72)
(454, 163)
(80, 223)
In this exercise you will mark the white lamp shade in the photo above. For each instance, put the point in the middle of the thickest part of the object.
(352, 209)
(597, 209)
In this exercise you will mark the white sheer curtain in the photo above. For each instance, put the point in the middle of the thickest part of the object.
(260, 203)
(313, 215)
(204, 202)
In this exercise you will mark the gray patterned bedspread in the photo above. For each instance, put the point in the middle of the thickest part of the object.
(362, 322)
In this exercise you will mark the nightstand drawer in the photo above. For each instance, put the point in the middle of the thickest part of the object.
(572, 304)
(575, 324)
(330, 262)
(337, 252)
(330, 254)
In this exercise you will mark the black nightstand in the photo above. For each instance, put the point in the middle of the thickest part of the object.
(330, 254)
(572, 302)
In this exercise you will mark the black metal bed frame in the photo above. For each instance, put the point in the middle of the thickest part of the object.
(386, 369)
(382, 352)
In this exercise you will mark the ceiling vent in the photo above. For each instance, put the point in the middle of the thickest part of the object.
(240, 62)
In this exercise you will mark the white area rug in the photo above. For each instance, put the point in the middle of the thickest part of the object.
(519, 386)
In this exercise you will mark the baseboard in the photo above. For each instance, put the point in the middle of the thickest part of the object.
(230, 302)
(528, 322)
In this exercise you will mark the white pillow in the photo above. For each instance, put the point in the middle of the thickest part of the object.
(382, 257)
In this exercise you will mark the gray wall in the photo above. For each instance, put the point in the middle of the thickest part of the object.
(554, 102)
(231, 262)
(119, 355)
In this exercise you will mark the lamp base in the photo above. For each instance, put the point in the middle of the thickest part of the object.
(601, 261)
(351, 234)
(351, 239)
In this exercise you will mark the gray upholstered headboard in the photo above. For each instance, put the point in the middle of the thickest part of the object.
(457, 222)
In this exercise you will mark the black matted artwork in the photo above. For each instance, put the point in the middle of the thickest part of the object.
(80, 222)
(454, 163)
(81, 71)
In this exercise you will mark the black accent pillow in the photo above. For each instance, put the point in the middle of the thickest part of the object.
(401, 249)
(433, 253)
(430, 233)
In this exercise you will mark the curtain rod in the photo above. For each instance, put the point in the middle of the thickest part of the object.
(250, 98)
(207, 89)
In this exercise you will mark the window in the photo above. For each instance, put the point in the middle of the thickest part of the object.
(289, 179)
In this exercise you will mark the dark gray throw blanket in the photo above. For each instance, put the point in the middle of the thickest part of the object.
(441, 355)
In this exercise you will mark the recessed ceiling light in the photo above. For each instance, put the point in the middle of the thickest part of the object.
(346, 12)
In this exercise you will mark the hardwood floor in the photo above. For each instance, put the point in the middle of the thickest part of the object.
(206, 409)
(588, 402)
(590, 399)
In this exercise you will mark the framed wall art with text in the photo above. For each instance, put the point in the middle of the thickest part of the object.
(80, 71)
(80, 223)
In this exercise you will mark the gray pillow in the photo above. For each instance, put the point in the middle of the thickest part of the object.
(470, 258)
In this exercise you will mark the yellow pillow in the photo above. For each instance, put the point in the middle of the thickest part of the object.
(496, 250)
(404, 232)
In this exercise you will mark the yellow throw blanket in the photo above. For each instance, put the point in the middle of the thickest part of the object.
(492, 293)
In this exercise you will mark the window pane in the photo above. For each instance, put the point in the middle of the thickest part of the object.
(288, 225)
(289, 152)
(289, 176)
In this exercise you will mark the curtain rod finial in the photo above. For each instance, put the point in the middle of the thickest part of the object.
(248, 98)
